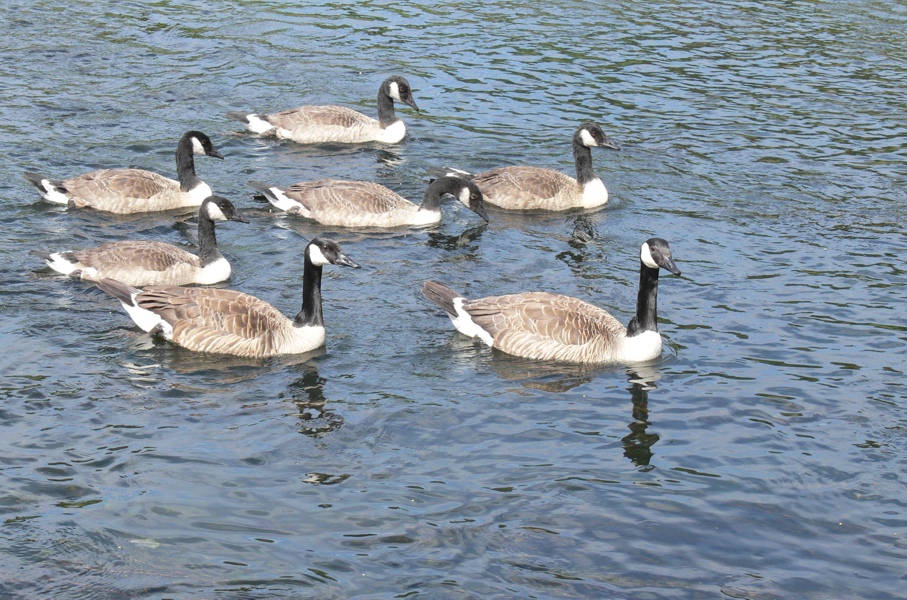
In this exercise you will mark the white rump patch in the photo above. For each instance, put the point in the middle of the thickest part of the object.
(465, 325)
(587, 139)
(60, 264)
(256, 124)
(645, 255)
(147, 320)
(280, 200)
(317, 256)
(52, 194)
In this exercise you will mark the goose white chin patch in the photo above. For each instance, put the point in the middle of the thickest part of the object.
(587, 138)
(645, 255)
(394, 90)
(215, 213)
(197, 147)
(464, 196)
(317, 256)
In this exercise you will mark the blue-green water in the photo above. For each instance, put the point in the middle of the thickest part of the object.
(763, 457)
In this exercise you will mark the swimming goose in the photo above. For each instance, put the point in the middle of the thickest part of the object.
(367, 204)
(547, 326)
(125, 191)
(140, 263)
(528, 188)
(229, 322)
(320, 124)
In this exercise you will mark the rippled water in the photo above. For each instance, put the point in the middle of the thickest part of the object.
(763, 457)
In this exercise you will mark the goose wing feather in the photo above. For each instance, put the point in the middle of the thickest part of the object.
(134, 254)
(333, 196)
(523, 187)
(298, 120)
(116, 186)
(217, 320)
(546, 326)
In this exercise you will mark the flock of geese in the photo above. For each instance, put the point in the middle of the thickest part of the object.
(154, 281)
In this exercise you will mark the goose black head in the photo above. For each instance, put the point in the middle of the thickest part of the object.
(325, 251)
(591, 135)
(656, 253)
(398, 88)
(201, 144)
(219, 208)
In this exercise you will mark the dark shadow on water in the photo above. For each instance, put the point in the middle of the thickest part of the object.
(467, 240)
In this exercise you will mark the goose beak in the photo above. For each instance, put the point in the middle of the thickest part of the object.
(609, 143)
(480, 210)
(667, 263)
(215, 154)
(238, 216)
(409, 101)
(343, 259)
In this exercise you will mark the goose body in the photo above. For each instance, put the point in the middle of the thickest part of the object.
(547, 326)
(366, 204)
(125, 191)
(338, 124)
(537, 188)
(140, 262)
(226, 321)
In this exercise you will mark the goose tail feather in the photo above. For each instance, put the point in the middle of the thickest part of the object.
(441, 295)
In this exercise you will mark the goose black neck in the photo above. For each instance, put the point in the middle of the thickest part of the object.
(311, 314)
(582, 156)
(185, 165)
(207, 240)
(437, 188)
(386, 114)
(646, 318)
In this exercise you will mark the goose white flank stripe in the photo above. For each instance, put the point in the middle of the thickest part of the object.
(322, 124)
(546, 326)
(139, 262)
(226, 321)
(125, 191)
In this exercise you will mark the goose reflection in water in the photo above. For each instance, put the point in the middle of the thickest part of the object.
(310, 404)
(557, 378)
(466, 240)
(638, 443)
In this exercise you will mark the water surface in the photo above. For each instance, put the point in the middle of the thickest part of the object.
(762, 457)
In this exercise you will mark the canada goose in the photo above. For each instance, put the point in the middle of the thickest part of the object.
(154, 263)
(229, 322)
(320, 124)
(367, 204)
(125, 191)
(528, 188)
(547, 326)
